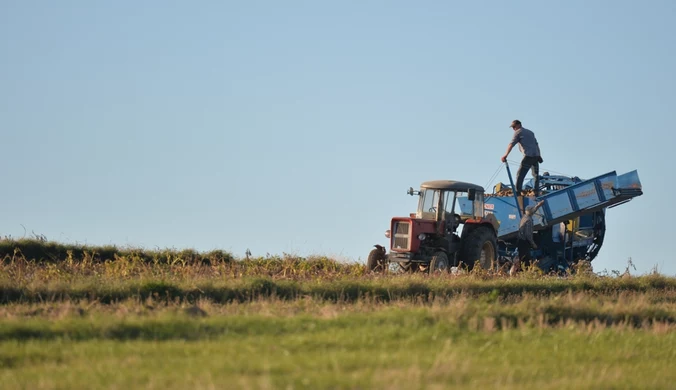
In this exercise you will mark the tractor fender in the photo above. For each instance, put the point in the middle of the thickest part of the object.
(488, 220)
(493, 221)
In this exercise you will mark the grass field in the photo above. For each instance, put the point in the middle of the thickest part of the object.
(91, 318)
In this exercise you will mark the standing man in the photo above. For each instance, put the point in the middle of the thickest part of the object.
(525, 238)
(531, 155)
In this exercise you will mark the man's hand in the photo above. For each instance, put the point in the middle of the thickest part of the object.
(504, 158)
(535, 246)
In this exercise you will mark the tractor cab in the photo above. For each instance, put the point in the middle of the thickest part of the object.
(449, 201)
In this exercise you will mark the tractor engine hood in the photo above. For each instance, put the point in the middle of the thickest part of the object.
(405, 232)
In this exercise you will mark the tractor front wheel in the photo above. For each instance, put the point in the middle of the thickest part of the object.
(439, 263)
(377, 260)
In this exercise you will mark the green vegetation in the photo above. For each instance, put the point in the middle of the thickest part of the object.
(141, 320)
(393, 348)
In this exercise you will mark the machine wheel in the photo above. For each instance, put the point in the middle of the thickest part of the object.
(599, 233)
(377, 261)
(481, 244)
(439, 263)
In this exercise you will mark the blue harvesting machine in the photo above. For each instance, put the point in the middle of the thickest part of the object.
(570, 226)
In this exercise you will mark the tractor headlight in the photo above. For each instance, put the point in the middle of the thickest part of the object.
(387, 233)
(421, 236)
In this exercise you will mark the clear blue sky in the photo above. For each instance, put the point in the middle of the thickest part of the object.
(298, 126)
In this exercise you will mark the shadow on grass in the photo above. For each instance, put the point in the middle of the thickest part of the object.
(347, 290)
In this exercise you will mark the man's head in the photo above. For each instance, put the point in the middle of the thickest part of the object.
(530, 210)
(516, 124)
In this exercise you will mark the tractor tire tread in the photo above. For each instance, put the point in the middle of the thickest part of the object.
(471, 251)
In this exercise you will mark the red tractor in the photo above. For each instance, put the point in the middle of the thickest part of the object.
(429, 241)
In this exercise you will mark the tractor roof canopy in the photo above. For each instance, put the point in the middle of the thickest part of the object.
(450, 185)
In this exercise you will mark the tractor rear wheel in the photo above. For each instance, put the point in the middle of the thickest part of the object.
(439, 263)
(377, 261)
(482, 245)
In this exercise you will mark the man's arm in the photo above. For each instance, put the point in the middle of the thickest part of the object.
(532, 211)
(514, 141)
(537, 206)
(509, 149)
